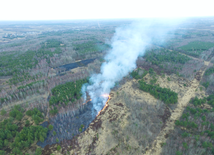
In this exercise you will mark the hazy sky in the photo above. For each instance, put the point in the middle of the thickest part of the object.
(99, 9)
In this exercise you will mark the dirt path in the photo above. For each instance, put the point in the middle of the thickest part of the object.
(29, 99)
(156, 148)
(205, 62)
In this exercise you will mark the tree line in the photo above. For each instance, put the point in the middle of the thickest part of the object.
(163, 94)
(156, 58)
(68, 92)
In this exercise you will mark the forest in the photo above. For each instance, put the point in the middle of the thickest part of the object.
(17, 64)
(197, 124)
(157, 58)
(11, 135)
(163, 94)
(91, 46)
(195, 48)
(68, 92)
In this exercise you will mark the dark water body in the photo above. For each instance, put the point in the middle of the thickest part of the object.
(76, 64)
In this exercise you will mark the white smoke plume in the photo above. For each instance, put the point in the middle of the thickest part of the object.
(128, 43)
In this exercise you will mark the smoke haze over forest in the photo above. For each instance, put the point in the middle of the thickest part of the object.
(128, 42)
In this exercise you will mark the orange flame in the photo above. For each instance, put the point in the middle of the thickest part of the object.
(106, 105)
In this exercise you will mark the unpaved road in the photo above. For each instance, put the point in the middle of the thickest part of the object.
(156, 148)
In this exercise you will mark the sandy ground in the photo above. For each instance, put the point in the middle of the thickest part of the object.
(116, 110)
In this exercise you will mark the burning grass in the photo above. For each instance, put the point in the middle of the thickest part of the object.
(125, 124)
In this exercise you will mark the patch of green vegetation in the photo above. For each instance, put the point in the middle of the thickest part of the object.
(51, 43)
(209, 71)
(206, 84)
(185, 145)
(58, 33)
(17, 63)
(91, 46)
(195, 48)
(67, 92)
(3, 112)
(10, 45)
(46, 53)
(13, 63)
(27, 136)
(81, 128)
(17, 112)
(3, 99)
(209, 100)
(166, 56)
(202, 119)
(38, 151)
(163, 94)
(135, 74)
(19, 140)
(187, 124)
(58, 147)
(16, 78)
(50, 127)
(36, 115)
(197, 45)
(178, 153)
(54, 133)
(153, 81)
(27, 123)
(54, 111)
(30, 84)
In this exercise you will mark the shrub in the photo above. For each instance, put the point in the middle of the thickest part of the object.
(178, 153)
(6, 142)
(38, 151)
(54, 111)
(27, 122)
(2, 152)
(3, 112)
(58, 147)
(206, 84)
(54, 133)
(185, 145)
(50, 127)
(185, 134)
(29, 113)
